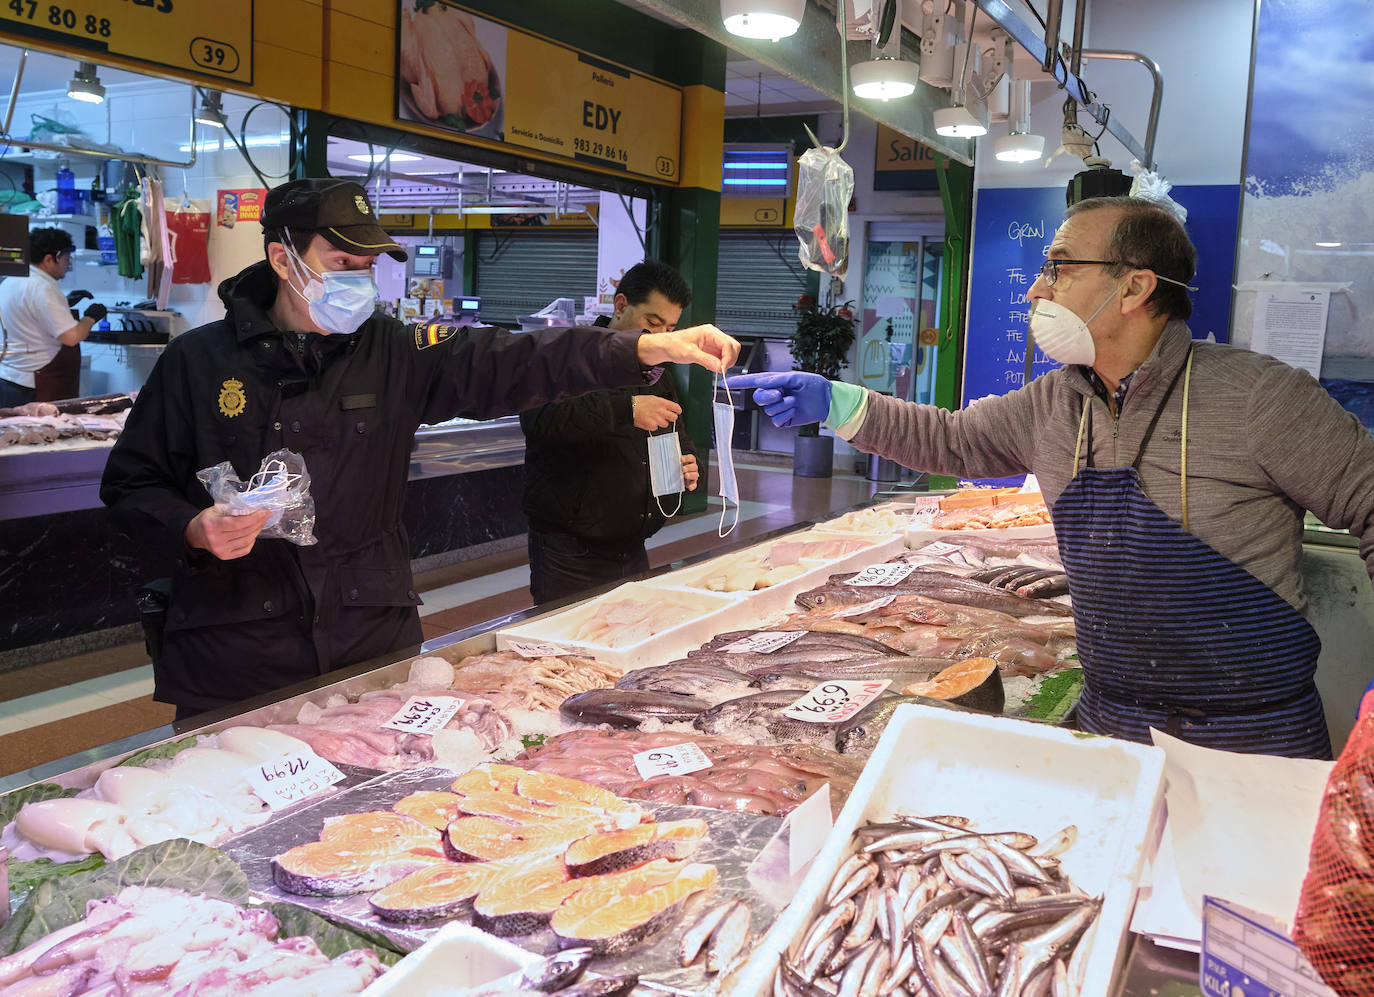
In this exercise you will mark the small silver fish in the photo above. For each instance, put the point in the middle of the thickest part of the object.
(699, 932)
(729, 937)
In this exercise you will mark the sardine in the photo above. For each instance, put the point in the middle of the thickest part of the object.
(699, 932)
(862, 876)
(865, 919)
(1042, 949)
(729, 938)
(630, 707)
(557, 971)
(1057, 844)
(851, 982)
(847, 869)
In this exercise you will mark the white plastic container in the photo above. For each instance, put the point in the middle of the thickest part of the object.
(705, 614)
(1005, 775)
(458, 956)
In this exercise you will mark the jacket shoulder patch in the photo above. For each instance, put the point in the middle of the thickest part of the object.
(433, 334)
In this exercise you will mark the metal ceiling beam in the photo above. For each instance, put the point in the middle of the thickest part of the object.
(812, 56)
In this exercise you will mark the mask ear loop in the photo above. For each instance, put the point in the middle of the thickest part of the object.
(666, 514)
(298, 269)
(720, 527)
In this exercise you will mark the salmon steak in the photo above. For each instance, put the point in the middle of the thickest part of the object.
(556, 790)
(491, 778)
(523, 901)
(357, 852)
(515, 809)
(437, 892)
(483, 839)
(433, 809)
(612, 914)
(611, 851)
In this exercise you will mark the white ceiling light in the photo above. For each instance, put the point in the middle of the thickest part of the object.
(1020, 146)
(378, 157)
(1329, 245)
(85, 85)
(766, 19)
(210, 112)
(961, 122)
(884, 79)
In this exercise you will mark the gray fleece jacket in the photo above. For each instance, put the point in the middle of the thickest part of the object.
(1265, 442)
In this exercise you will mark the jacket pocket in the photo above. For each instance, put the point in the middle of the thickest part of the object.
(377, 587)
(225, 593)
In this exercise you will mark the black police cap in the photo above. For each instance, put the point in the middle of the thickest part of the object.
(336, 209)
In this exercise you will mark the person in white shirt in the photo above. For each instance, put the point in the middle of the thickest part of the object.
(40, 359)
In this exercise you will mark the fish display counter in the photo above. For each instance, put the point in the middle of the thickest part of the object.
(628, 793)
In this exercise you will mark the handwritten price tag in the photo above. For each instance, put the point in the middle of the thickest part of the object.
(291, 778)
(425, 714)
(836, 701)
(881, 574)
(765, 642)
(537, 649)
(864, 607)
(675, 759)
(939, 548)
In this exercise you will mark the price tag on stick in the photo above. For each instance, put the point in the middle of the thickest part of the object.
(674, 759)
(885, 575)
(292, 778)
(836, 701)
(764, 642)
(425, 714)
(537, 649)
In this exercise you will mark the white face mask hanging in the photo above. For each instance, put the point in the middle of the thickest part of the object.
(665, 468)
(724, 415)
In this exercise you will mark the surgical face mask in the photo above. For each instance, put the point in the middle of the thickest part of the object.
(1062, 335)
(665, 469)
(272, 488)
(340, 301)
(724, 416)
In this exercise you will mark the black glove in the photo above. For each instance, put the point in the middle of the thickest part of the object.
(74, 296)
(96, 312)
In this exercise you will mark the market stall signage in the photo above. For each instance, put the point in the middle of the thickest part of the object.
(885, 575)
(836, 701)
(425, 714)
(479, 77)
(292, 778)
(211, 38)
(673, 759)
(902, 163)
(763, 642)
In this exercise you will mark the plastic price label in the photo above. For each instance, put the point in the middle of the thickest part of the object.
(536, 649)
(425, 714)
(764, 642)
(885, 575)
(939, 548)
(674, 759)
(864, 607)
(292, 778)
(836, 701)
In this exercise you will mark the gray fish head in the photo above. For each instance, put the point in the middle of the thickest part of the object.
(557, 971)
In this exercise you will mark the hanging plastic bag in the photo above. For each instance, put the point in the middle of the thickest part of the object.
(825, 185)
(282, 486)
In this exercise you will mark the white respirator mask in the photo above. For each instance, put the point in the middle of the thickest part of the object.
(1062, 335)
(724, 416)
(340, 301)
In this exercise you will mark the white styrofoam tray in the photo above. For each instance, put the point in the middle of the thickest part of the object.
(764, 603)
(458, 956)
(1005, 775)
(710, 613)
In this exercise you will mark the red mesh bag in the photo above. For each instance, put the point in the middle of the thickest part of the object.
(1335, 923)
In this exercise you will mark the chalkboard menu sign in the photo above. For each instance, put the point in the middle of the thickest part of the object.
(1012, 228)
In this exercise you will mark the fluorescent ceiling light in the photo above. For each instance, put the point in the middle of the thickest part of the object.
(377, 157)
(1329, 245)
(757, 181)
(884, 79)
(215, 145)
(960, 122)
(85, 85)
(210, 111)
(766, 19)
(755, 166)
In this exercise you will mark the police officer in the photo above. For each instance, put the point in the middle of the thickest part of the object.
(302, 361)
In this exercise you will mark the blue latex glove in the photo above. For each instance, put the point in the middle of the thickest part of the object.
(790, 398)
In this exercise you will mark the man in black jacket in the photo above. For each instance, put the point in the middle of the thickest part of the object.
(302, 361)
(587, 489)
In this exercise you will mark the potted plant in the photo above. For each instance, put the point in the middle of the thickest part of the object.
(820, 346)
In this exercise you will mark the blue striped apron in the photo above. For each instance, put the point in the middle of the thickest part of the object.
(1173, 635)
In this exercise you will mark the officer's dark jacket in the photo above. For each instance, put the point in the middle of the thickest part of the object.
(239, 389)
(587, 466)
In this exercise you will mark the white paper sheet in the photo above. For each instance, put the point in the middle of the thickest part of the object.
(1290, 325)
(1239, 827)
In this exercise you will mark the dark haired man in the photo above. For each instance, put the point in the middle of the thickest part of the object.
(41, 356)
(1177, 472)
(587, 482)
(303, 361)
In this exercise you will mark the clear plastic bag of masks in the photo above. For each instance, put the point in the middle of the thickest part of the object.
(281, 486)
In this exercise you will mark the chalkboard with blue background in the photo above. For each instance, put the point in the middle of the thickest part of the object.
(1012, 228)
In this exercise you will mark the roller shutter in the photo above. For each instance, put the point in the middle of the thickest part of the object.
(759, 279)
(519, 272)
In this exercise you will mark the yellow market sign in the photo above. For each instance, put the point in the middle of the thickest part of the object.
(479, 77)
(214, 38)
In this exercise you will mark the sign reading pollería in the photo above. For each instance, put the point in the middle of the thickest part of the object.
(211, 38)
(478, 77)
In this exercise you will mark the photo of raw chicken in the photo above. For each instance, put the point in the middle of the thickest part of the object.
(452, 68)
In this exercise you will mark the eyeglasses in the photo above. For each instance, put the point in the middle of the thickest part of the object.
(1049, 270)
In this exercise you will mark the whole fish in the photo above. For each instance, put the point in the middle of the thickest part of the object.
(860, 733)
(699, 932)
(811, 640)
(869, 666)
(933, 585)
(630, 707)
(729, 938)
(705, 680)
(758, 719)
